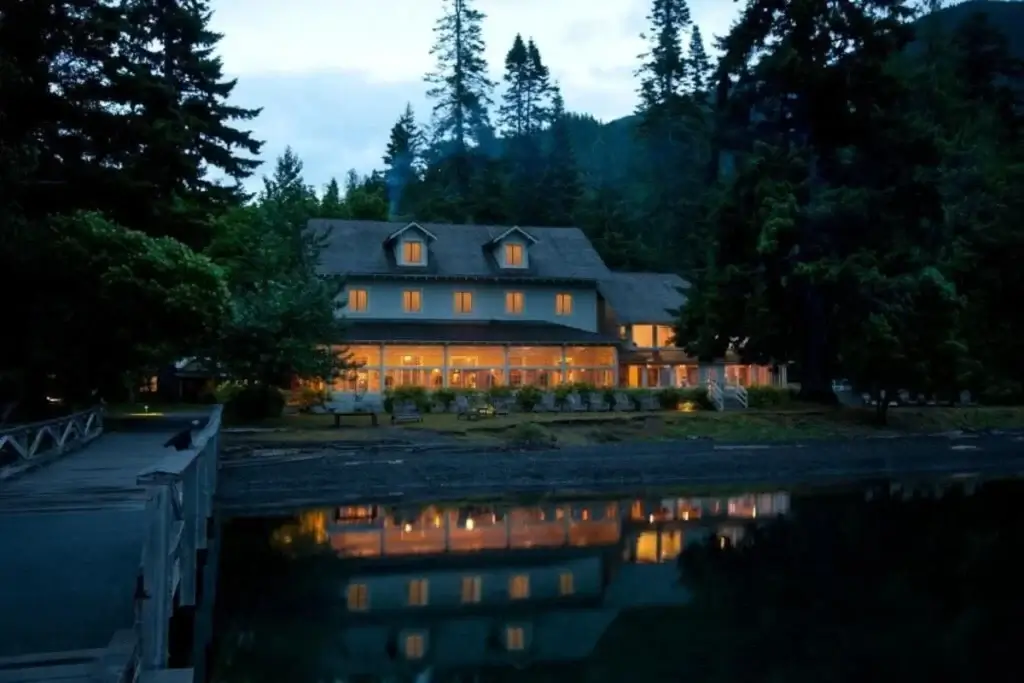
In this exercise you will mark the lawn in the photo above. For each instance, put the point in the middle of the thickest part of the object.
(798, 422)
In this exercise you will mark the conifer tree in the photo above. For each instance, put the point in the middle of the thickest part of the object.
(663, 73)
(401, 160)
(698, 64)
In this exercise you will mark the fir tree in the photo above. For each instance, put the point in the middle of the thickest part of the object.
(331, 203)
(178, 115)
(561, 174)
(663, 73)
(460, 87)
(537, 95)
(401, 160)
(699, 66)
(513, 110)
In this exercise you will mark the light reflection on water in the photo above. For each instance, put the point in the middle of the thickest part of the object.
(450, 590)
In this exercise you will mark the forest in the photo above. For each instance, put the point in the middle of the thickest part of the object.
(839, 183)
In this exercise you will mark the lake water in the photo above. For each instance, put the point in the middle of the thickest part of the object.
(854, 582)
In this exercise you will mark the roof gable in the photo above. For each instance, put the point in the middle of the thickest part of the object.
(411, 226)
(515, 229)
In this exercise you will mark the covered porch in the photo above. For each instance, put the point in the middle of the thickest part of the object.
(672, 368)
(475, 356)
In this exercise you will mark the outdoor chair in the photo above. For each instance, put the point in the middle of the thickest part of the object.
(622, 402)
(574, 404)
(406, 411)
(546, 404)
(649, 402)
(596, 402)
(502, 405)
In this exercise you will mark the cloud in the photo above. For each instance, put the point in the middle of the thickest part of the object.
(332, 76)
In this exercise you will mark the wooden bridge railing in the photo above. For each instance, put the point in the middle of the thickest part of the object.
(24, 443)
(180, 502)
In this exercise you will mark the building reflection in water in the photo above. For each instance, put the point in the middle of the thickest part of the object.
(460, 588)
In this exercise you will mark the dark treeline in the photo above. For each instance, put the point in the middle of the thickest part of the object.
(841, 184)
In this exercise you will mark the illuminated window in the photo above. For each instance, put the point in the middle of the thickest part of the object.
(358, 300)
(471, 589)
(515, 638)
(565, 584)
(643, 336)
(513, 302)
(463, 302)
(519, 587)
(563, 304)
(358, 597)
(418, 593)
(666, 335)
(412, 251)
(513, 255)
(412, 301)
(415, 646)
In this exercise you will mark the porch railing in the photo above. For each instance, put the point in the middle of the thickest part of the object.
(180, 502)
(739, 392)
(715, 395)
(49, 437)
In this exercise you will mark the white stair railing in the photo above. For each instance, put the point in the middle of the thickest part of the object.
(715, 395)
(742, 397)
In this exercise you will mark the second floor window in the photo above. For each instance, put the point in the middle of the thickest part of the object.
(563, 304)
(358, 597)
(565, 584)
(514, 302)
(471, 589)
(419, 593)
(515, 638)
(415, 646)
(412, 301)
(463, 302)
(513, 255)
(358, 299)
(519, 587)
(412, 251)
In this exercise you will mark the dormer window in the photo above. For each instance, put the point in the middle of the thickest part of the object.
(513, 255)
(412, 252)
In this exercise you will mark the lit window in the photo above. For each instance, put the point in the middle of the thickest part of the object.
(358, 300)
(519, 587)
(565, 584)
(666, 335)
(358, 597)
(643, 336)
(412, 301)
(563, 304)
(412, 251)
(623, 332)
(415, 646)
(418, 593)
(515, 638)
(471, 588)
(513, 302)
(513, 254)
(463, 302)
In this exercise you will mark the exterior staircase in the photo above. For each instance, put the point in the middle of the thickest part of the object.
(730, 397)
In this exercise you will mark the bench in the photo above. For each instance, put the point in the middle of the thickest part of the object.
(358, 413)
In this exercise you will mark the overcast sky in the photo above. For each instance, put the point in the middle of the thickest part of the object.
(333, 75)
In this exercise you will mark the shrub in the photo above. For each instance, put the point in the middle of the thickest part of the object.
(253, 402)
(531, 435)
(499, 391)
(307, 397)
(697, 396)
(527, 397)
(224, 393)
(1001, 393)
(445, 397)
(768, 397)
(416, 395)
(670, 398)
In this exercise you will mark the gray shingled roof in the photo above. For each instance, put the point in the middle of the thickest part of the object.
(643, 297)
(357, 248)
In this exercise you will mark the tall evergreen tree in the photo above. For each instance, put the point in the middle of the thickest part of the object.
(401, 160)
(538, 92)
(461, 91)
(562, 190)
(699, 66)
(331, 203)
(513, 111)
(460, 87)
(172, 89)
(663, 73)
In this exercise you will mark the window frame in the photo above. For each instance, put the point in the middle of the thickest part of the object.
(408, 246)
(474, 584)
(561, 299)
(516, 250)
(407, 298)
(460, 298)
(353, 300)
(519, 581)
(513, 296)
(418, 593)
(357, 597)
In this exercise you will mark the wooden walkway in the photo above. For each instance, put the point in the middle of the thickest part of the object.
(72, 535)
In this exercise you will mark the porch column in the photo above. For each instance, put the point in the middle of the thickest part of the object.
(505, 367)
(615, 365)
(444, 367)
(643, 375)
(447, 530)
(383, 383)
(564, 368)
(783, 377)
